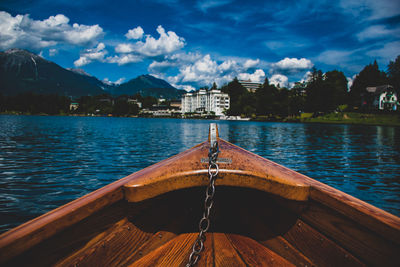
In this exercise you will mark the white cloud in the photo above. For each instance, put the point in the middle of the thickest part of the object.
(119, 81)
(250, 63)
(258, 76)
(377, 31)
(279, 79)
(136, 33)
(292, 64)
(23, 32)
(156, 66)
(187, 88)
(90, 55)
(202, 70)
(387, 52)
(124, 48)
(168, 42)
(53, 52)
(124, 59)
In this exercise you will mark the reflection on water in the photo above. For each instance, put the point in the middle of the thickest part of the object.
(48, 161)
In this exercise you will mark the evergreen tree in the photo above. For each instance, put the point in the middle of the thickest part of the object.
(236, 92)
(315, 97)
(394, 74)
(335, 90)
(369, 76)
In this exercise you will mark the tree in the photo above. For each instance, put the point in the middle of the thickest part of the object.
(296, 98)
(393, 73)
(266, 99)
(315, 98)
(335, 89)
(369, 76)
(236, 92)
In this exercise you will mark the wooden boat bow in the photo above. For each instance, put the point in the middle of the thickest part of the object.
(237, 167)
(265, 214)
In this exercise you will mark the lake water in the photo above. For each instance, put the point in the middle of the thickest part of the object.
(48, 161)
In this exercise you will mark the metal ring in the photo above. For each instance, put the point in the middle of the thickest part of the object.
(204, 219)
(212, 187)
(198, 244)
(213, 165)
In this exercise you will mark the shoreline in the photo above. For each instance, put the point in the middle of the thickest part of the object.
(392, 120)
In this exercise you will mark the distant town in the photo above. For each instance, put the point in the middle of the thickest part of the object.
(322, 97)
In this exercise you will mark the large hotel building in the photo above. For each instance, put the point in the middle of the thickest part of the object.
(204, 101)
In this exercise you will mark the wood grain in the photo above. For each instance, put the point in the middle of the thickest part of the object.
(246, 170)
(111, 249)
(318, 248)
(174, 253)
(353, 236)
(156, 241)
(254, 254)
(286, 250)
(225, 254)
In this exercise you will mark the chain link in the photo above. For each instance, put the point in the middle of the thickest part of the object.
(204, 223)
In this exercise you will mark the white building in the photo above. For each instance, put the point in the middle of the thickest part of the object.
(204, 101)
(385, 97)
(250, 86)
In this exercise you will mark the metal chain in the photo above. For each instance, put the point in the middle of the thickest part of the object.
(204, 223)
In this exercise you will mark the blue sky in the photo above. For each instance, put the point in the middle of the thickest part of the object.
(195, 43)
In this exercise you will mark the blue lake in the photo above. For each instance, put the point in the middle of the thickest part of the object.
(48, 161)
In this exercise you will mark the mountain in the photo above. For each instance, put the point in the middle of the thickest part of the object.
(22, 71)
(148, 85)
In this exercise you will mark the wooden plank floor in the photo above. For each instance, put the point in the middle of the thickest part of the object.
(220, 250)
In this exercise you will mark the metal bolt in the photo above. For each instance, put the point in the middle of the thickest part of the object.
(129, 228)
(298, 224)
(160, 235)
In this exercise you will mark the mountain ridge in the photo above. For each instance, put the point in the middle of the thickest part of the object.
(22, 71)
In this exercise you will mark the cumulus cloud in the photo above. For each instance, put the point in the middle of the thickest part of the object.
(292, 65)
(136, 33)
(23, 32)
(157, 67)
(90, 55)
(279, 79)
(124, 59)
(250, 63)
(168, 42)
(165, 45)
(258, 76)
(203, 70)
(124, 48)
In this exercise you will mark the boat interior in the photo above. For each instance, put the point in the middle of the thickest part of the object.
(263, 215)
